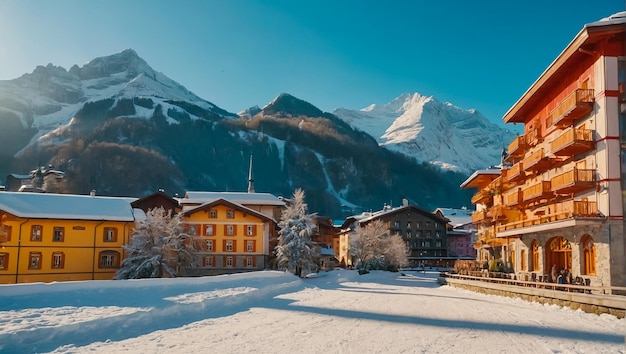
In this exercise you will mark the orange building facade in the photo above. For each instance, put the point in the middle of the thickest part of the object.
(558, 199)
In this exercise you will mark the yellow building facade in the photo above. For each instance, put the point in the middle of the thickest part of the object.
(235, 238)
(52, 237)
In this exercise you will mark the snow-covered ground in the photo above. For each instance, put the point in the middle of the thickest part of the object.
(275, 312)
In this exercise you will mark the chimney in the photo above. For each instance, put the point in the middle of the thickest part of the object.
(405, 202)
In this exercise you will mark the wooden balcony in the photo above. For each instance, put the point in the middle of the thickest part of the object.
(573, 181)
(516, 172)
(566, 210)
(513, 199)
(517, 147)
(575, 106)
(501, 212)
(573, 142)
(537, 161)
(483, 196)
(537, 192)
(481, 217)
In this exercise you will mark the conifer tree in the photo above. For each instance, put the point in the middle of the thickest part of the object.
(295, 251)
(158, 247)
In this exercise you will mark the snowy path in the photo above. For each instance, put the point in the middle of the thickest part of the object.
(273, 312)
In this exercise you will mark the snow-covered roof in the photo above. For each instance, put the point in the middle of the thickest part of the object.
(368, 216)
(228, 203)
(490, 174)
(66, 206)
(457, 217)
(242, 198)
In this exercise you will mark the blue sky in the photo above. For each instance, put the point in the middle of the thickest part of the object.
(352, 53)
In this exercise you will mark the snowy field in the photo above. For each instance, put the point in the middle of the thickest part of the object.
(275, 312)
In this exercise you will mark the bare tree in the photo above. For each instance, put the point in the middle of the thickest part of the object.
(375, 247)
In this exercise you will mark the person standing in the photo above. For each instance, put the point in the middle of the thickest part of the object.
(553, 273)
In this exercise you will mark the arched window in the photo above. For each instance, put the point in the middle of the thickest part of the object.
(523, 259)
(589, 255)
(535, 260)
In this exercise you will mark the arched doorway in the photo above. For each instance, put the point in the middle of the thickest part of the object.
(559, 253)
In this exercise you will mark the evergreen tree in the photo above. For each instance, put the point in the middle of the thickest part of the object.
(294, 251)
(158, 247)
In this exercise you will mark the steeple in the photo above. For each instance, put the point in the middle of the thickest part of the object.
(250, 178)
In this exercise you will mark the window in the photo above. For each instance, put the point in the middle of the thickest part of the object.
(408, 234)
(589, 255)
(109, 259)
(436, 225)
(208, 262)
(230, 230)
(5, 233)
(250, 230)
(230, 214)
(209, 230)
(229, 261)
(209, 245)
(249, 246)
(523, 259)
(396, 224)
(229, 246)
(110, 234)
(34, 261)
(249, 262)
(58, 260)
(438, 244)
(35, 232)
(213, 214)
(418, 224)
(4, 261)
(408, 225)
(58, 234)
(428, 234)
(437, 235)
(535, 260)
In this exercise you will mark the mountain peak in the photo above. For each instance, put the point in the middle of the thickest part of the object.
(286, 104)
(128, 60)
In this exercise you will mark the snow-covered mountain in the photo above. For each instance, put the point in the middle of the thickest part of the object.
(118, 126)
(48, 98)
(432, 131)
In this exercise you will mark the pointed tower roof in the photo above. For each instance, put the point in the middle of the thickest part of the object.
(250, 178)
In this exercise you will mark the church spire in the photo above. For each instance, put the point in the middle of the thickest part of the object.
(250, 178)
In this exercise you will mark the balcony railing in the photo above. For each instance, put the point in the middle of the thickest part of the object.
(573, 142)
(573, 181)
(537, 191)
(517, 147)
(480, 217)
(482, 196)
(513, 199)
(575, 106)
(564, 211)
(537, 161)
(516, 172)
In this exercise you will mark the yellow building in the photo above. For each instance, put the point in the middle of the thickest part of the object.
(239, 230)
(55, 237)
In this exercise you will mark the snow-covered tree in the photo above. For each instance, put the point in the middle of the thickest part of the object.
(295, 249)
(158, 247)
(374, 247)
